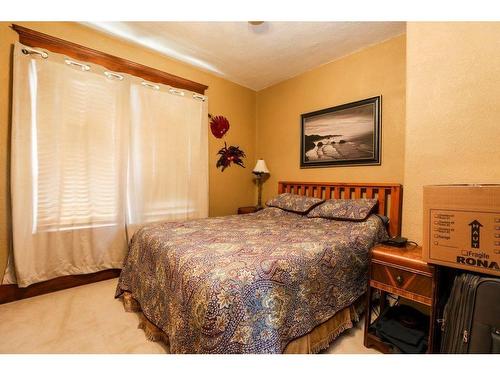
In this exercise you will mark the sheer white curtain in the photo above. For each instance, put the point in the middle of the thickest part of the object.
(169, 138)
(91, 151)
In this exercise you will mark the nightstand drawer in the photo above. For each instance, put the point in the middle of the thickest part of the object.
(400, 282)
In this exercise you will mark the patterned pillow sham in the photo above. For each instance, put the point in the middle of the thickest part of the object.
(294, 203)
(344, 209)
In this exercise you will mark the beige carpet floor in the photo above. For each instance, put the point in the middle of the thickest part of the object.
(87, 319)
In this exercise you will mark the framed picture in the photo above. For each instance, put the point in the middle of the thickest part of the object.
(345, 135)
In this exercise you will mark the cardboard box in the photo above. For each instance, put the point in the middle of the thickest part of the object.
(462, 227)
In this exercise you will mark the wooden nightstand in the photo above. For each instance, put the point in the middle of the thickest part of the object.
(248, 210)
(400, 272)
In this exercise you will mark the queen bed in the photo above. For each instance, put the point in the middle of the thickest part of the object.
(270, 282)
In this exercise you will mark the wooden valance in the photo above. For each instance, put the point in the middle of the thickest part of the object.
(34, 38)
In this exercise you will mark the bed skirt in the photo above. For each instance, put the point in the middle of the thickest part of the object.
(313, 342)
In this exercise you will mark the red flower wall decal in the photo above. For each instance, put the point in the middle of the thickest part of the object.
(219, 125)
(228, 155)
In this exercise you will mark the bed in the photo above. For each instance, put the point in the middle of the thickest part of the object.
(269, 282)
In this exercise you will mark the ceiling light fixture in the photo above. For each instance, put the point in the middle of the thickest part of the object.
(255, 23)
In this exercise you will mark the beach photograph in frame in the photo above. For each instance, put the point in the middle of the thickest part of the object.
(344, 135)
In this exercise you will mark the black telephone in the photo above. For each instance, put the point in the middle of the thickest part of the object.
(397, 241)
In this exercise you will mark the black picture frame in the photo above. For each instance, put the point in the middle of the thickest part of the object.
(358, 145)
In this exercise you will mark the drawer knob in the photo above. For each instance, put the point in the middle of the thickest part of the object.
(399, 279)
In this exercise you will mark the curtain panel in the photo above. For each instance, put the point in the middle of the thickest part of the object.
(168, 169)
(95, 155)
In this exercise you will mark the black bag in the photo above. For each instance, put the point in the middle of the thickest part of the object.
(471, 320)
(404, 327)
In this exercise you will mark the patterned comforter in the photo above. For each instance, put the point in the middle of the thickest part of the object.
(247, 283)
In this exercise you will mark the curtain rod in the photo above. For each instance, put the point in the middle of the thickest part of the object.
(110, 75)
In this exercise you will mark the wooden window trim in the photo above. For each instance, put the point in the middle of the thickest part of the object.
(37, 39)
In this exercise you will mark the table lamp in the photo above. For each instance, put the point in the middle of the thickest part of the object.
(259, 171)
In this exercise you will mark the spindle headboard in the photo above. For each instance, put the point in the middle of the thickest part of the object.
(389, 196)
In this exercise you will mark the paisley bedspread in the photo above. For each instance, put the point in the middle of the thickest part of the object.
(247, 283)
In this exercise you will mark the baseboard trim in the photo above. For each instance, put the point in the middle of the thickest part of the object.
(10, 293)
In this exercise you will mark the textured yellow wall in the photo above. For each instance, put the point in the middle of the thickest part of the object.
(228, 190)
(453, 111)
(376, 70)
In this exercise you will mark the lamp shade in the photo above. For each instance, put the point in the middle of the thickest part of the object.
(260, 167)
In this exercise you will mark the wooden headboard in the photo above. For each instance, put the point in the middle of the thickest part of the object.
(389, 196)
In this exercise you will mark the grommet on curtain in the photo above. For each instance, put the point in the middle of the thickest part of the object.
(150, 85)
(31, 51)
(199, 97)
(176, 92)
(83, 67)
(112, 75)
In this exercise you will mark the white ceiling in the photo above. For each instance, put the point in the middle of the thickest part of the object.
(254, 56)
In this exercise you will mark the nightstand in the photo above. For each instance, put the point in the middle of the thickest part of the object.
(248, 210)
(399, 272)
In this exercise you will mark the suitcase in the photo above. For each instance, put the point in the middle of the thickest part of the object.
(471, 320)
